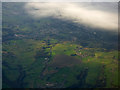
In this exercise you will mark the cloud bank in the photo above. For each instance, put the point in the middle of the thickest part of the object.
(80, 13)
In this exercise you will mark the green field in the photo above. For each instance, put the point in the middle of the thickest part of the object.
(51, 52)
(99, 69)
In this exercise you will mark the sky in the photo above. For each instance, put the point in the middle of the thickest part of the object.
(95, 15)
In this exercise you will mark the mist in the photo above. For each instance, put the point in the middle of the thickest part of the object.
(103, 16)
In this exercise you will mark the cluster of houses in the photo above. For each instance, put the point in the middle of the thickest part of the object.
(18, 35)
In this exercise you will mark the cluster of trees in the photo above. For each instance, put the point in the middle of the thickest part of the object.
(42, 54)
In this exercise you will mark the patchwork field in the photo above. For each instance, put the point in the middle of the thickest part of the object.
(64, 45)
(39, 64)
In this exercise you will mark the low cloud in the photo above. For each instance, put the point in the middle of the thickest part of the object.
(76, 12)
